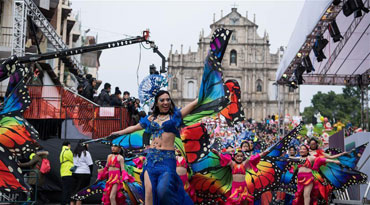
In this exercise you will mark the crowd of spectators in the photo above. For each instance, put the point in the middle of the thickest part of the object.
(88, 89)
(263, 134)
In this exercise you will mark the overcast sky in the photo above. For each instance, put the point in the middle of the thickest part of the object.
(176, 22)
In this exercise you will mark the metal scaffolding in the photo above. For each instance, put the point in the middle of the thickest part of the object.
(19, 28)
(22, 8)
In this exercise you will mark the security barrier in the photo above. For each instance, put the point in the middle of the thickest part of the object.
(57, 102)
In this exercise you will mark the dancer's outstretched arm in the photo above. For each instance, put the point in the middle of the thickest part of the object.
(188, 108)
(128, 130)
(333, 161)
(334, 156)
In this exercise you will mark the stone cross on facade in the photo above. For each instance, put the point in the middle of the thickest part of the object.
(234, 5)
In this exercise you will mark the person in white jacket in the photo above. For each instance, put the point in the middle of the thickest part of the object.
(84, 167)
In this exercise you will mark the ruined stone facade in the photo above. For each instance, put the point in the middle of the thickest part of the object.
(247, 59)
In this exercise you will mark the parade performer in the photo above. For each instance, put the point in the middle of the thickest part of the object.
(307, 186)
(287, 197)
(182, 169)
(239, 165)
(162, 185)
(116, 174)
(317, 152)
(324, 190)
(245, 147)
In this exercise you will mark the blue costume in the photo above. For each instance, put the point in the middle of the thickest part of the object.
(167, 186)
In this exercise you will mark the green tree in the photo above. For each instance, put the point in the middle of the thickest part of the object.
(345, 107)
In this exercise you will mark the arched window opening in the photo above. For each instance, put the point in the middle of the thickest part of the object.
(191, 93)
(174, 83)
(259, 86)
(233, 36)
(233, 57)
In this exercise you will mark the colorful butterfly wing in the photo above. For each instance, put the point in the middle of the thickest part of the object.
(266, 198)
(282, 146)
(218, 44)
(7, 67)
(96, 188)
(266, 178)
(213, 186)
(341, 177)
(210, 162)
(211, 181)
(217, 144)
(135, 172)
(288, 179)
(180, 146)
(11, 180)
(15, 136)
(333, 151)
(352, 158)
(212, 93)
(233, 113)
(17, 102)
(135, 192)
(128, 141)
(100, 163)
(288, 182)
(195, 140)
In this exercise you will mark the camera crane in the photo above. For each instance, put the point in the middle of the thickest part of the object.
(84, 49)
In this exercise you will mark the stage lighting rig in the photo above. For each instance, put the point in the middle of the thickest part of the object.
(354, 6)
(318, 47)
(298, 72)
(308, 64)
(293, 82)
(334, 31)
(336, 2)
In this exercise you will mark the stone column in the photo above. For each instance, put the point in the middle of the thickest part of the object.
(265, 81)
(254, 80)
(253, 110)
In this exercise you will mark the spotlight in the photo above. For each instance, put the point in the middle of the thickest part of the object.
(354, 6)
(293, 83)
(308, 64)
(336, 2)
(318, 48)
(334, 31)
(298, 74)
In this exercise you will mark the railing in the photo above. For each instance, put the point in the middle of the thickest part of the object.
(21, 197)
(6, 34)
(56, 102)
(342, 197)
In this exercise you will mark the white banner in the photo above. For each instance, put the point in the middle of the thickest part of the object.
(106, 111)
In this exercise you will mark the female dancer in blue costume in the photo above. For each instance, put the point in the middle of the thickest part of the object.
(162, 185)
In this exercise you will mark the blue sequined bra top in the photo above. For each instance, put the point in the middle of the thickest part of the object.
(172, 125)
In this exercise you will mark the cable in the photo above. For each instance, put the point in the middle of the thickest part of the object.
(108, 31)
(138, 66)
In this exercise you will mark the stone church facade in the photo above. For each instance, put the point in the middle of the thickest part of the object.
(247, 59)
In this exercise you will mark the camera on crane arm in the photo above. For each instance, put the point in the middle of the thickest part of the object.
(153, 70)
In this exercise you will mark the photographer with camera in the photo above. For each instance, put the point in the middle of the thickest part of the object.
(132, 105)
(116, 99)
